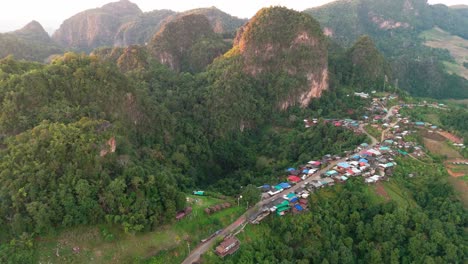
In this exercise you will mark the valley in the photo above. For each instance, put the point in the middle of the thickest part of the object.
(335, 134)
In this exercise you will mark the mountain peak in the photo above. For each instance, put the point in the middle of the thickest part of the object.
(33, 31)
(122, 8)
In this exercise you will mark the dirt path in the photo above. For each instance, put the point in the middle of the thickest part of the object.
(449, 165)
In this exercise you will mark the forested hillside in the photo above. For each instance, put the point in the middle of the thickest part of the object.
(119, 137)
(395, 27)
(30, 43)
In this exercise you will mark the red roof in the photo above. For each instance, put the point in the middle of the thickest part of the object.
(294, 178)
(350, 171)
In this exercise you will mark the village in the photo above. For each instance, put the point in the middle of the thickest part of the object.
(373, 162)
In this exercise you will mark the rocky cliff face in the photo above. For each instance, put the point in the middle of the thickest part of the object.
(96, 27)
(141, 29)
(123, 23)
(281, 42)
(187, 43)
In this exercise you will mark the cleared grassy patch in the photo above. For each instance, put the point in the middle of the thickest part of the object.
(457, 46)
(373, 131)
(108, 244)
(460, 185)
(373, 194)
(399, 194)
(441, 148)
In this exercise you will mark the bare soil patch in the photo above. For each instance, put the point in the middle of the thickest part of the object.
(380, 190)
(451, 137)
(456, 170)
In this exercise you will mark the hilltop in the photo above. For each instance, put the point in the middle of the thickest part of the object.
(279, 60)
(29, 43)
(187, 43)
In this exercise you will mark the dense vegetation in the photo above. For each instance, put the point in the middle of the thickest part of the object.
(187, 44)
(348, 224)
(62, 122)
(395, 27)
(117, 137)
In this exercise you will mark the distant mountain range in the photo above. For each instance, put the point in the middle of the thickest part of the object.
(409, 33)
(123, 23)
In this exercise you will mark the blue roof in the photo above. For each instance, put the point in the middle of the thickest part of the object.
(305, 171)
(344, 165)
(356, 157)
(293, 200)
(291, 169)
(265, 186)
(364, 160)
(364, 144)
(298, 207)
(331, 172)
(284, 185)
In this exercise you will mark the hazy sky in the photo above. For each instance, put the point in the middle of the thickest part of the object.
(50, 13)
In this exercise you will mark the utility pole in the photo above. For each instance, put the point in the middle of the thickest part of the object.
(238, 198)
(188, 245)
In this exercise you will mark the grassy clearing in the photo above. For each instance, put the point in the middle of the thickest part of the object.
(457, 46)
(373, 131)
(462, 102)
(460, 185)
(399, 194)
(373, 194)
(441, 148)
(127, 248)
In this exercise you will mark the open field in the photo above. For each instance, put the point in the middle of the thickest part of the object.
(458, 101)
(460, 185)
(457, 46)
(399, 194)
(380, 190)
(109, 244)
(441, 148)
(451, 137)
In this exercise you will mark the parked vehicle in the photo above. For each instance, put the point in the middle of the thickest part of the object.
(271, 193)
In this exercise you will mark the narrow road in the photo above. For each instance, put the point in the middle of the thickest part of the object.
(202, 248)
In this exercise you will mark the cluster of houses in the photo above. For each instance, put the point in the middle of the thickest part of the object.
(373, 164)
(346, 123)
